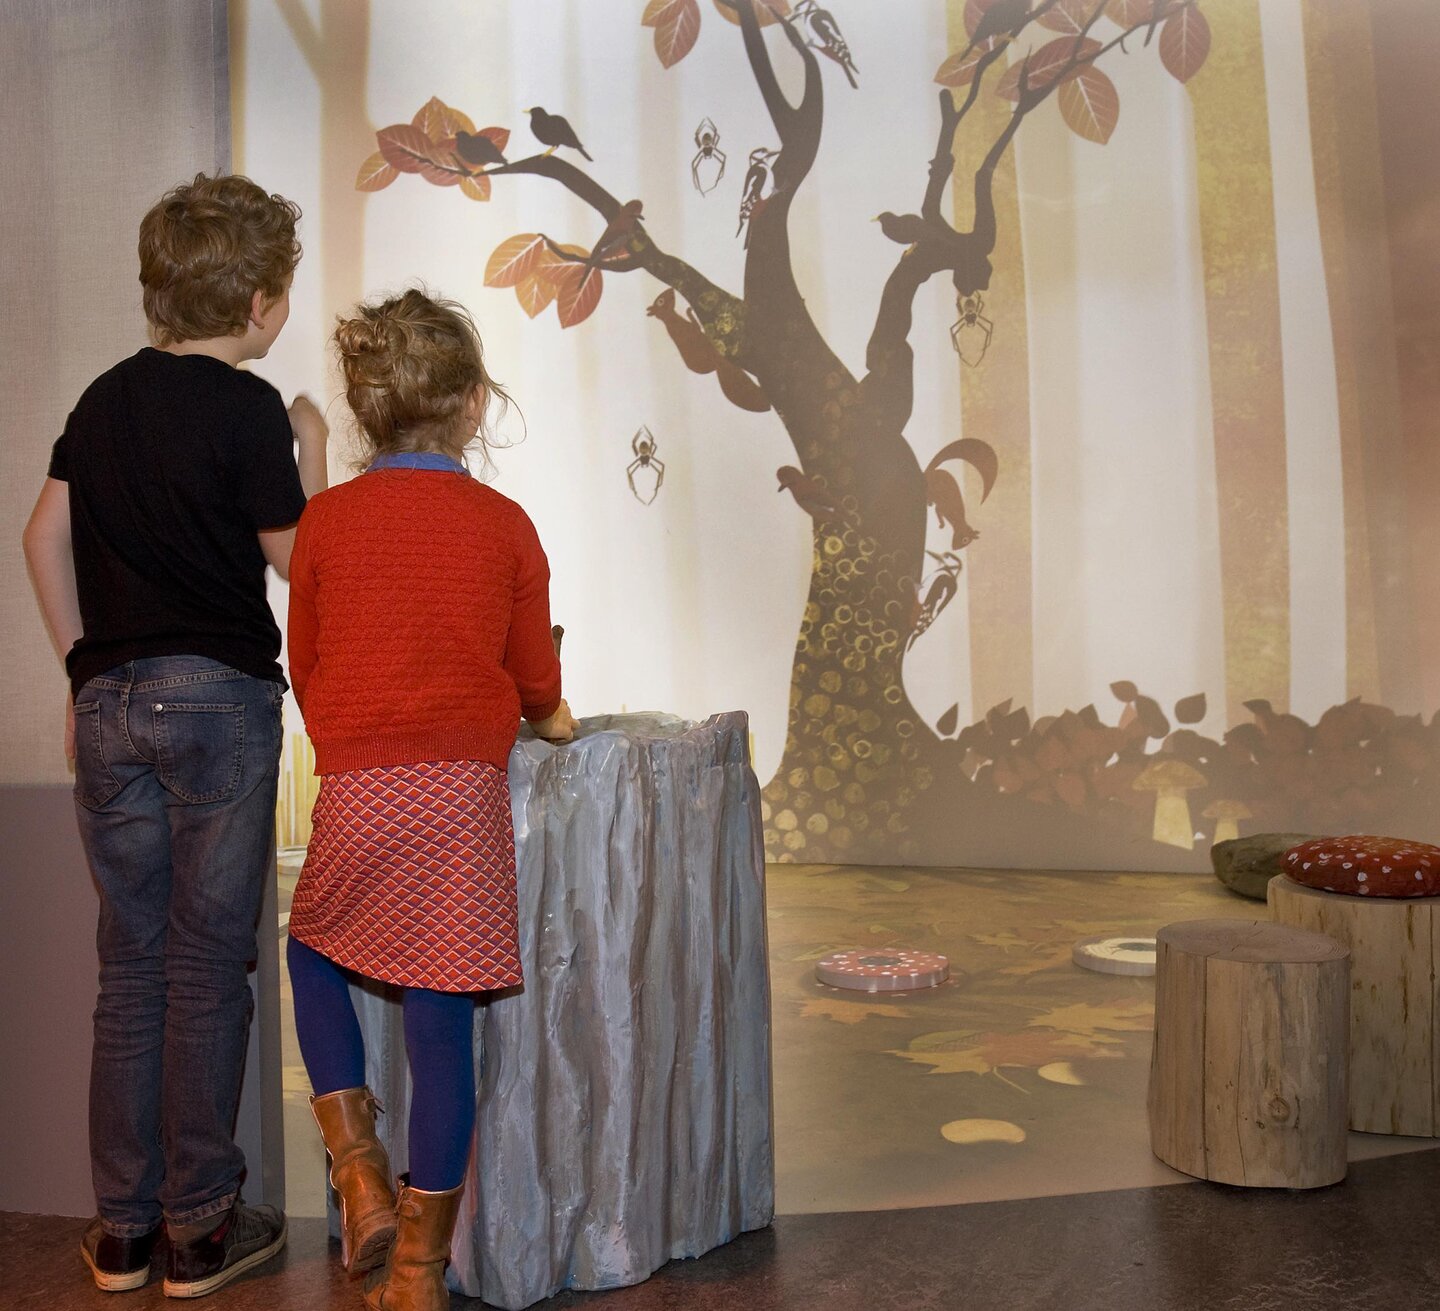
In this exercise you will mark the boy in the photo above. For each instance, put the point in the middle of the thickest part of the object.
(171, 487)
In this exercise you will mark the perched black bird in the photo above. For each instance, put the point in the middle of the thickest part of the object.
(1004, 17)
(907, 229)
(477, 150)
(553, 131)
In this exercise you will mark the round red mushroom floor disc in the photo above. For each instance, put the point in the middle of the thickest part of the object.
(884, 970)
(1109, 955)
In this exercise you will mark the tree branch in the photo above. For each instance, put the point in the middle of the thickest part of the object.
(709, 300)
(888, 356)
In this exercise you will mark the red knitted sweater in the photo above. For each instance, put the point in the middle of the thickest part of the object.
(419, 622)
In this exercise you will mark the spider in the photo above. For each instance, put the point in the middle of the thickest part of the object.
(707, 137)
(644, 445)
(970, 325)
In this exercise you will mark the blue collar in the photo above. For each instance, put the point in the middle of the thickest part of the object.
(418, 460)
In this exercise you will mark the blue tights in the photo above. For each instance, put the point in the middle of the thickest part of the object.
(437, 1042)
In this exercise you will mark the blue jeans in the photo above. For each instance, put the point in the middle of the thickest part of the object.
(176, 764)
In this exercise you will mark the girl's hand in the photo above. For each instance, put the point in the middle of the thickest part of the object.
(560, 727)
(307, 423)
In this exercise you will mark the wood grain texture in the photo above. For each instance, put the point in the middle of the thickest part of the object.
(1248, 1079)
(1394, 1016)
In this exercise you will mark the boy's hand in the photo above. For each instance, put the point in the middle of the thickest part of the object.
(69, 726)
(307, 423)
(560, 727)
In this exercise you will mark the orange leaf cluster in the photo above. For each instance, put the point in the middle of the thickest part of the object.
(1047, 64)
(540, 276)
(1089, 102)
(426, 145)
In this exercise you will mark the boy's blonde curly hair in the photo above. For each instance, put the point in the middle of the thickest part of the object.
(410, 364)
(206, 248)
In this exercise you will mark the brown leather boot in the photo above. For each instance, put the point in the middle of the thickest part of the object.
(360, 1173)
(414, 1278)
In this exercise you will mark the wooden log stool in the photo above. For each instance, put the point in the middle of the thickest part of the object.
(1247, 1077)
(1371, 899)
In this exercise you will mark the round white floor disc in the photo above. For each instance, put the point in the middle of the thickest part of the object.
(1110, 955)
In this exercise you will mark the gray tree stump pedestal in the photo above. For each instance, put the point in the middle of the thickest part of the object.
(624, 1113)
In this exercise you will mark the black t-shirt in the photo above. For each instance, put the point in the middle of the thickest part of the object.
(175, 463)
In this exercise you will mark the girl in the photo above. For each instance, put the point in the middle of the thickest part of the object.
(419, 635)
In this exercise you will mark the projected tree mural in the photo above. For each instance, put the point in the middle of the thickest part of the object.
(862, 772)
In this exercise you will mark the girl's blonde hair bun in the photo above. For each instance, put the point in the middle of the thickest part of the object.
(410, 363)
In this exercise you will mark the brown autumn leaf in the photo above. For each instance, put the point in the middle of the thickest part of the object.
(437, 120)
(958, 70)
(1069, 16)
(443, 166)
(375, 174)
(405, 147)
(676, 24)
(847, 1012)
(476, 187)
(534, 292)
(578, 289)
(1090, 105)
(990, 1053)
(514, 258)
(1047, 64)
(767, 10)
(1185, 43)
(1190, 709)
(1123, 1015)
(1131, 13)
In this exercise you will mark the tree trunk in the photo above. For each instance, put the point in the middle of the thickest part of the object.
(856, 754)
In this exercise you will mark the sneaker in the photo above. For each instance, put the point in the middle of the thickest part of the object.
(245, 1237)
(118, 1264)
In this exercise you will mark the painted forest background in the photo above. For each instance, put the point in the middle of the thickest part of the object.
(1014, 405)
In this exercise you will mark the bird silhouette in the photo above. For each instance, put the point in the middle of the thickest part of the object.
(907, 229)
(753, 189)
(809, 495)
(554, 131)
(944, 584)
(618, 231)
(477, 150)
(1004, 18)
(830, 41)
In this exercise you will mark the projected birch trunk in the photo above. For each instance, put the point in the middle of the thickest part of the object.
(861, 771)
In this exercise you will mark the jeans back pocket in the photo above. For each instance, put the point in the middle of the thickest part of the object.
(199, 749)
(94, 783)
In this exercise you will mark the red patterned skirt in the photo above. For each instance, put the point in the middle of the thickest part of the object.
(410, 876)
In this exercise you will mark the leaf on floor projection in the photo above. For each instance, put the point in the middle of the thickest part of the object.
(847, 1012)
(992, 1053)
(1097, 1021)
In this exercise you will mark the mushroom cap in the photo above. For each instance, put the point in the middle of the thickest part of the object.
(1162, 773)
(1227, 810)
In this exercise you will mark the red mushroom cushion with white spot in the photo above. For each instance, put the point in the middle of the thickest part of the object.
(1366, 866)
